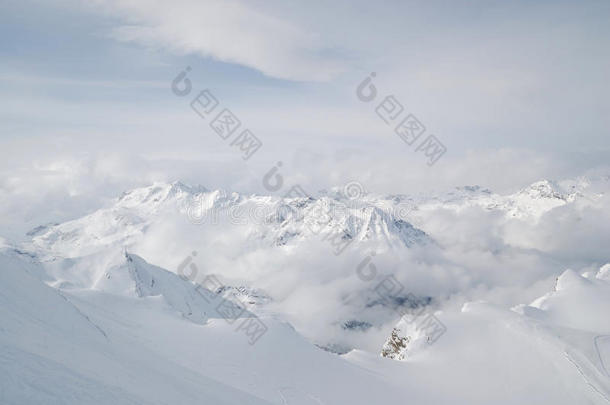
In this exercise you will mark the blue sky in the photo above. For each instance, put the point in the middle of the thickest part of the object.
(515, 91)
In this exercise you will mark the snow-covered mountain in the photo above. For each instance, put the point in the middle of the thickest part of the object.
(282, 221)
(178, 294)
(279, 221)
(528, 203)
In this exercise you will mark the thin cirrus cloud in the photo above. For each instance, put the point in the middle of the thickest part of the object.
(228, 31)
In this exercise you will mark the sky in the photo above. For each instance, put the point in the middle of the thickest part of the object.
(515, 91)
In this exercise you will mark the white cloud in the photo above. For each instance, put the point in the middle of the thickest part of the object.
(229, 31)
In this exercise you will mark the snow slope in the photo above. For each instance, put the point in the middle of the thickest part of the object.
(56, 352)
(555, 350)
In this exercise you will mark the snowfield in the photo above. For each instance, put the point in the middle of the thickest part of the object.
(136, 302)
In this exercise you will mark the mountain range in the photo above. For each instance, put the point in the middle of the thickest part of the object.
(155, 297)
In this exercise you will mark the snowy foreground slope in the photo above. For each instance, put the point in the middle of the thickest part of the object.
(91, 346)
(108, 308)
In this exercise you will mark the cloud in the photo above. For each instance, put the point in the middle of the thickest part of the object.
(480, 253)
(228, 31)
